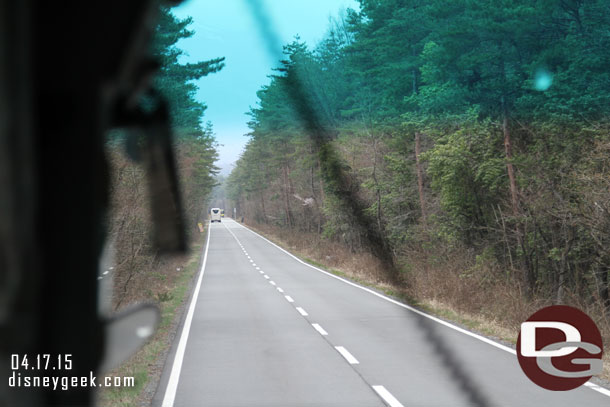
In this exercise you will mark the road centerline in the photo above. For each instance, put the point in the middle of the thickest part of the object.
(348, 356)
(387, 396)
(318, 328)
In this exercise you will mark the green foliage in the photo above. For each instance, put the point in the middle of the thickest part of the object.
(467, 168)
(199, 154)
(175, 80)
(195, 142)
(472, 79)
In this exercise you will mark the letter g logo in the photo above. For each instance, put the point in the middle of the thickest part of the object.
(555, 344)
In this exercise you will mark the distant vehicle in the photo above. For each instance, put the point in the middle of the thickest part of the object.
(215, 212)
(222, 213)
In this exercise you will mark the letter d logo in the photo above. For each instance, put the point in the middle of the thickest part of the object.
(528, 338)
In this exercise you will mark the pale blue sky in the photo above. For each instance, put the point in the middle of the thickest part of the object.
(227, 29)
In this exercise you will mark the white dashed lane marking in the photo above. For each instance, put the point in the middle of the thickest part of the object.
(387, 396)
(348, 356)
(381, 391)
(321, 330)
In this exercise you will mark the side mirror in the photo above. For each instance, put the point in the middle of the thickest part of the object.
(126, 332)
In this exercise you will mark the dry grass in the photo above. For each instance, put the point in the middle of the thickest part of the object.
(490, 305)
(141, 275)
(453, 284)
(331, 254)
(147, 364)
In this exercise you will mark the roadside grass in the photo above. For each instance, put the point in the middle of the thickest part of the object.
(500, 328)
(146, 364)
(432, 307)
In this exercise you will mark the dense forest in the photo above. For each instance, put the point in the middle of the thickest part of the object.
(456, 140)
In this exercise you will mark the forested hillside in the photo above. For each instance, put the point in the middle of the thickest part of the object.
(473, 136)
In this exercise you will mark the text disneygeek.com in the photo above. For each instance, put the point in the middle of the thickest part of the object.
(67, 382)
(35, 366)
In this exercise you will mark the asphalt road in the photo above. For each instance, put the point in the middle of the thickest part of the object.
(264, 329)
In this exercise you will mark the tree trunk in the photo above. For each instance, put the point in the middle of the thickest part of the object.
(603, 284)
(287, 196)
(604, 288)
(322, 193)
(561, 283)
(414, 80)
(377, 189)
(263, 207)
(414, 74)
(420, 180)
(529, 277)
(322, 201)
(509, 156)
(290, 193)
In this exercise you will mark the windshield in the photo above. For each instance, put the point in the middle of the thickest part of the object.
(382, 199)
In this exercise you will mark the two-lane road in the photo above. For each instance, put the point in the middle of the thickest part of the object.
(265, 329)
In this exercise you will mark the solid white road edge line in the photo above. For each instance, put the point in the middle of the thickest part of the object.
(174, 377)
(505, 348)
(348, 356)
(600, 389)
(387, 396)
(302, 311)
(400, 304)
(318, 328)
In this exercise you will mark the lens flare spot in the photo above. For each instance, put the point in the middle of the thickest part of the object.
(144, 331)
(543, 79)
